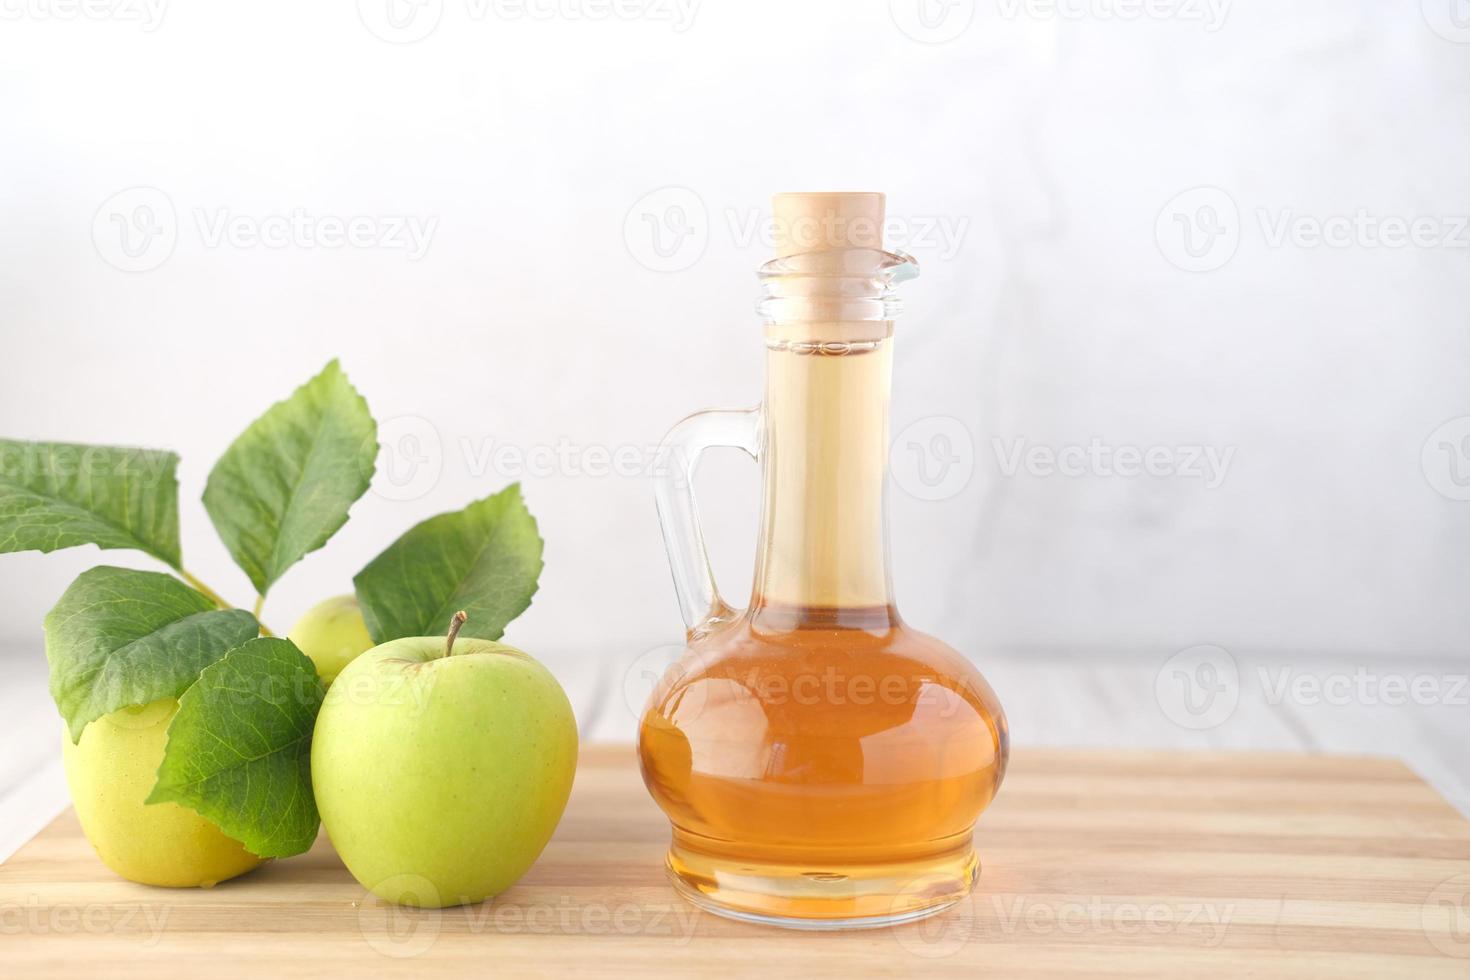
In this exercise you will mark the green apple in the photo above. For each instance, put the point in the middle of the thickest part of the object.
(110, 772)
(332, 633)
(441, 768)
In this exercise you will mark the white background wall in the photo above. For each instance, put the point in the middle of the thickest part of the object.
(1050, 149)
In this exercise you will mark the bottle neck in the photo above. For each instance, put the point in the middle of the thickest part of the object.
(823, 556)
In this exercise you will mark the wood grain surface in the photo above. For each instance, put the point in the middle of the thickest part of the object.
(1096, 864)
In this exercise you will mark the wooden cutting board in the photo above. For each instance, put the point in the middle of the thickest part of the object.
(1096, 863)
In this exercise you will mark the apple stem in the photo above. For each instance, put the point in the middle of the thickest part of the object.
(455, 623)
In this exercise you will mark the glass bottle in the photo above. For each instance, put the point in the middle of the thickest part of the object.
(822, 762)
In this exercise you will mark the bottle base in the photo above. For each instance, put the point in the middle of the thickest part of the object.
(803, 896)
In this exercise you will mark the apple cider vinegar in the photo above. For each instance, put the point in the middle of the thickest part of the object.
(826, 451)
(821, 762)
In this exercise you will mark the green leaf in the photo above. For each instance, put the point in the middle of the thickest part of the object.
(239, 750)
(59, 495)
(484, 559)
(285, 485)
(121, 637)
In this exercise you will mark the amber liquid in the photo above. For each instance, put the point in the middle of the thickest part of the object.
(819, 760)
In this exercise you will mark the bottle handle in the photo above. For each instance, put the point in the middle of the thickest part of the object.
(678, 457)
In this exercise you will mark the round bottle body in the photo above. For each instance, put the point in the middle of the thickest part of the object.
(823, 775)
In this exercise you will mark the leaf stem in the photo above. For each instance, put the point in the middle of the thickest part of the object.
(219, 600)
(199, 586)
(259, 605)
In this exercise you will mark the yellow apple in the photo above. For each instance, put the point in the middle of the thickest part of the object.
(110, 772)
(332, 633)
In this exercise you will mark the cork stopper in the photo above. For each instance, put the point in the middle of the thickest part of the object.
(826, 220)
